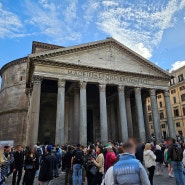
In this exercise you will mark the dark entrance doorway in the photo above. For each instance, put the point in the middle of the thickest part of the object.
(90, 137)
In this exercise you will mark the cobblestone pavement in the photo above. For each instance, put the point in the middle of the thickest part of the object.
(158, 180)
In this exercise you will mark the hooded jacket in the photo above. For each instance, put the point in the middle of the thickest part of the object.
(149, 158)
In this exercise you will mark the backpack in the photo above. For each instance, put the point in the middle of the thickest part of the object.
(177, 153)
(78, 158)
(39, 152)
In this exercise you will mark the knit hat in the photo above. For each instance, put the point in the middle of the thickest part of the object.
(49, 148)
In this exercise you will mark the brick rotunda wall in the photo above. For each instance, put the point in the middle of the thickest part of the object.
(13, 101)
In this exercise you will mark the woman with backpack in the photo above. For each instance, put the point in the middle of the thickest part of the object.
(99, 163)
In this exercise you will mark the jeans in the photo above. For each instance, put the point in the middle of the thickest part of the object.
(77, 174)
(159, 168)
(178, 172)
(68, 176)
(19, 176)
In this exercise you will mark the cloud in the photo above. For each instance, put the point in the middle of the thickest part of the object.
(10, 24)
(139, 26)
(177, 65)
(55, 19)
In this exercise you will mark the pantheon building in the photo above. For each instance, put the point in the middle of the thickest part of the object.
(80, 94)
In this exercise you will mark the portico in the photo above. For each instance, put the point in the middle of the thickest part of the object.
(95, 92)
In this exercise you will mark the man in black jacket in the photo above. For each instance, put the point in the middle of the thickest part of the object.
(47, 167)
(17, 165)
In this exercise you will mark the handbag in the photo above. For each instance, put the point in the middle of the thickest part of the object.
(94, 170)
(29, 167)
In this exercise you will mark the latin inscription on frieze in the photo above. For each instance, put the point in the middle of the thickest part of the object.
(107, 77)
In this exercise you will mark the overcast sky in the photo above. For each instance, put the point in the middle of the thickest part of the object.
(155, 29)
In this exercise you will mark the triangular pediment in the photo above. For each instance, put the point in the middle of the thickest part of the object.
(107, 54)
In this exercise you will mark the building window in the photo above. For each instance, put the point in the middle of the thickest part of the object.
(183, 97)
(183, 109)
(160, 104)
(172, 82)
(174, 100)
(180, 78)
(149, 107)
(150, 117)
(176, 112)
(151, 126)
(159, 96)
(163, 126)
(173, 91)
(178, 124)
(21, 78)
(182, 88)
(161, 115)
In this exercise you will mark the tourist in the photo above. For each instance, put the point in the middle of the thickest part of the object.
(159, 160)
(3, 167)
(31, 164)
(76, 165)
(119, 173)
(89, 164)
(183, 160)
(39, 153)
(18, 165)
(99, 163)
(110, 158)
(149, 160)
(175, 153)
(10, 159)
(58, 157)
(47, 167)
(67, 158)
(168, 162)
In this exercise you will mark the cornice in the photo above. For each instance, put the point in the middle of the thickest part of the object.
(92, 45)
(12, 63)
(62, 64)
(42, 45)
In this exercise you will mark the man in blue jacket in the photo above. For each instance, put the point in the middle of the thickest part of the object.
(128, 170)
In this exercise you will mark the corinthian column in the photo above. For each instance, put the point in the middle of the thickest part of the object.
(155, 115)
(103, 114)
(83, 114)
(139, 108)
(59, 137)
(35, 111)
(123, 115)
(171, 126)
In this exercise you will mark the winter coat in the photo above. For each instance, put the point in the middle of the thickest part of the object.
(149, 158)
(47, 167)
(159, 156)
(128, 170)
(18, 160)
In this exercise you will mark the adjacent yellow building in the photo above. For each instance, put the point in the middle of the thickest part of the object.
(177, 99)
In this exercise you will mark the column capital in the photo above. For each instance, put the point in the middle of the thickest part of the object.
(121, 88)
(61, 83)
(102, 87)
(152, 92)
(137, 90)
(166, 93)
(83, 85)
(37, 79)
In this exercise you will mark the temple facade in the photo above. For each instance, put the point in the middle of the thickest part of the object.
(80, 94)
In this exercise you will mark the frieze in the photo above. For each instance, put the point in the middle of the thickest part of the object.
(107, 77)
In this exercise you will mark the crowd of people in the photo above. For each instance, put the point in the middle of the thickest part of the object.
(115, 163)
